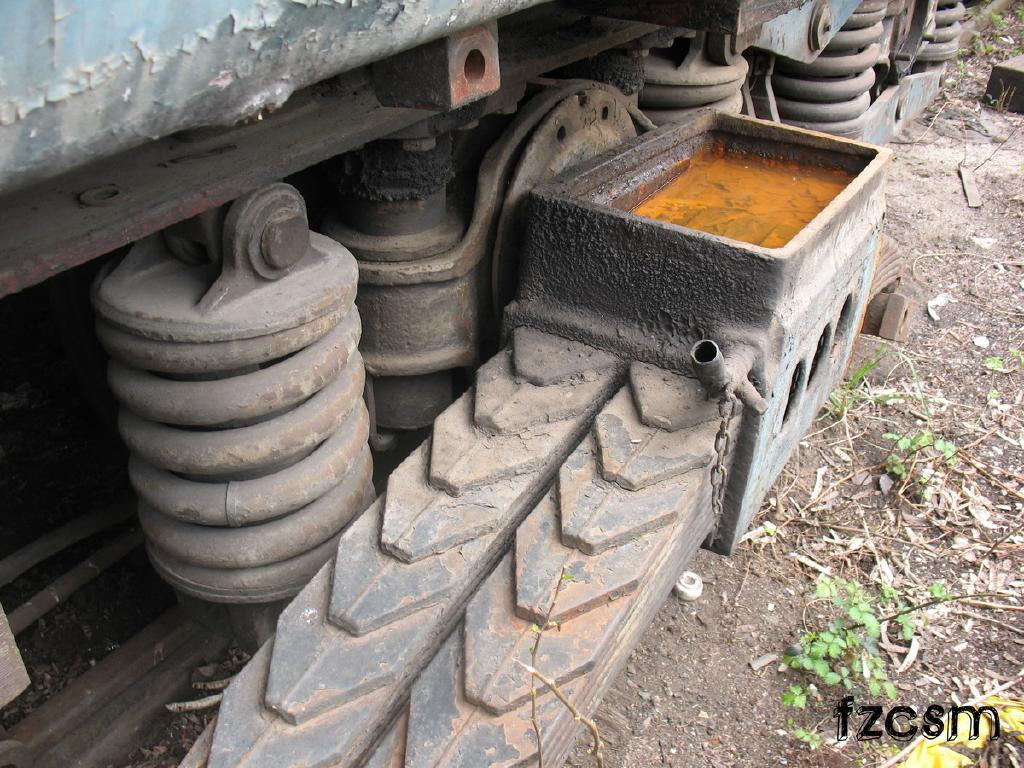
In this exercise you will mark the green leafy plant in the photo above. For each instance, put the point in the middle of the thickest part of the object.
(851, 392)
(811, 738)
(938, 590)
(917, 458)
(795, 696)
(856, 390)
(845, 652)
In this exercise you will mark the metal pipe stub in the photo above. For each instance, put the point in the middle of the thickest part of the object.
(240, 386)
(720, 376)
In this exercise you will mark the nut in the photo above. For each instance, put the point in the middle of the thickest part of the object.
(285, 240)
(821, 25)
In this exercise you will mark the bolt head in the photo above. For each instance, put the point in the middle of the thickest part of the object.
(820, 26)
(285, 240)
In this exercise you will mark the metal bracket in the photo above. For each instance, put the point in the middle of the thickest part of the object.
(443, 74)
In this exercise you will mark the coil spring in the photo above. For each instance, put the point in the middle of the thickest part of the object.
(245, 419)
(707, 75)
(942, 43)
(833, 92)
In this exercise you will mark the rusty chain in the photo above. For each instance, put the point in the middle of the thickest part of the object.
(726, 412)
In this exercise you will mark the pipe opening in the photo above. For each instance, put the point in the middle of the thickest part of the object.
(475, 66)
(705, 352)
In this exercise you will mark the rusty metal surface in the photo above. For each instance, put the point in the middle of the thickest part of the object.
(246, 475)
(444, 74)
(350, 645)
(941, 39)
(54, 225)
(894, 296)
(890, 264)
(96, 719)
(472, 706)
(803, 32)
(899, 105)
(420, 296)
(581, 126)
(906, 22)
(777, 303)
(849, 92)
(407, 648)
(726, 16)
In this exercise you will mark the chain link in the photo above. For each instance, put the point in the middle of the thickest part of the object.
(726, 413)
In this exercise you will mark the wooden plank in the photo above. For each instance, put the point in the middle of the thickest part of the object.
(971, 190)
(100, 715)
(121, 725)
(70, 582)
(48, 545)
(13, 677)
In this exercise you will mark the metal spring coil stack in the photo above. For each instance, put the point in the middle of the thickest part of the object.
(942, 41)
(707, 75)
(833, 92)
(241, 402)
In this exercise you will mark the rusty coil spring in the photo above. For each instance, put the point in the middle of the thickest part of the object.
(832, 93)
(942, 42)
(694, 73)
(248, 445)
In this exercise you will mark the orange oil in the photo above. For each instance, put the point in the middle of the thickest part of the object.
(744, 196)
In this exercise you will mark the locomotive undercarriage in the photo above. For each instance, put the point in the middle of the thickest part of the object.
(420, 282)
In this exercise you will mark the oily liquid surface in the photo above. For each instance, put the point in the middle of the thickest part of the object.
(744, 196)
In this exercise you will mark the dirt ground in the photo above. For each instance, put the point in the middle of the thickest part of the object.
(689, 696)
(704, 688)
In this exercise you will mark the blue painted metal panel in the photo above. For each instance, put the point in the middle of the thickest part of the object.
(788, 35)
(81, 79)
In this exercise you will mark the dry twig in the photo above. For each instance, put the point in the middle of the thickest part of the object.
(532, 669)
(1002, 144)
(577, 715)
(212, 685)
(177, 707)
